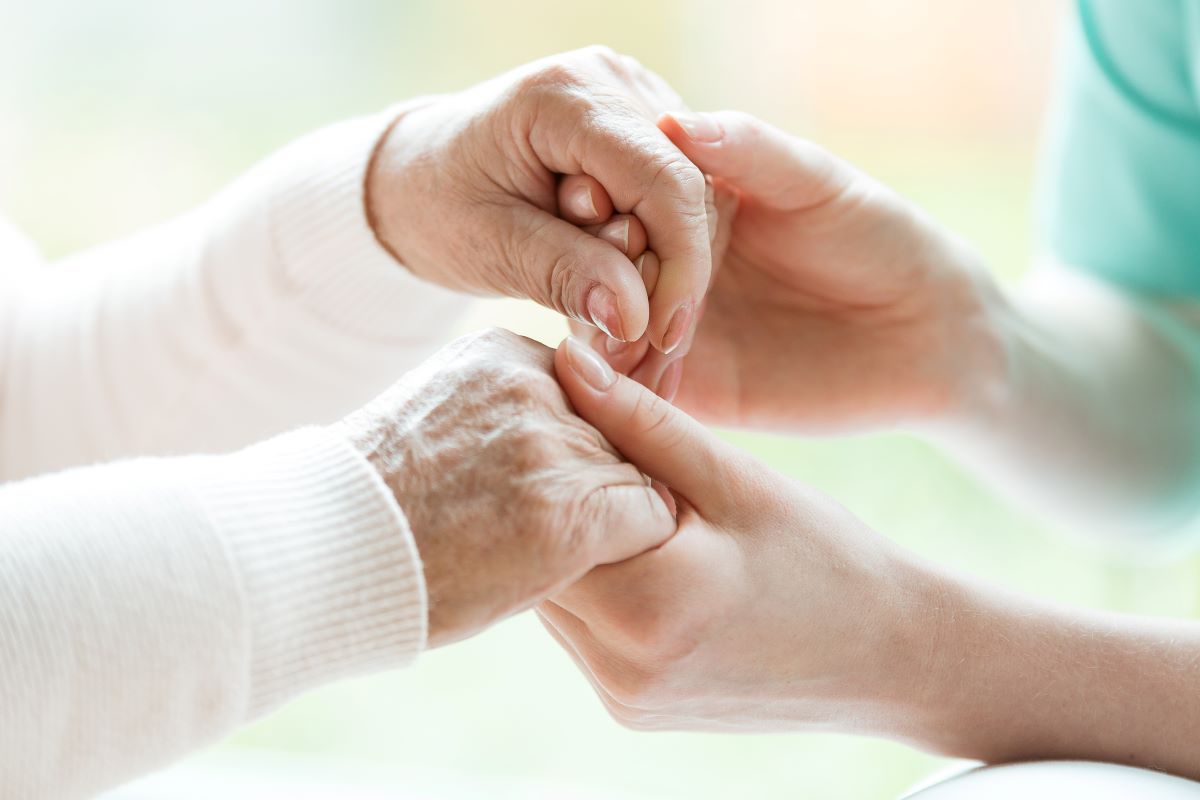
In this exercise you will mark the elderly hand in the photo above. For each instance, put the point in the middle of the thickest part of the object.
(771, 608)
(838, 304)
(510, 496)
(464, 192)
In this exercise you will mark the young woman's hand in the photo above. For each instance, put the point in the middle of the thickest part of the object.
(837, 304)
(771, 607)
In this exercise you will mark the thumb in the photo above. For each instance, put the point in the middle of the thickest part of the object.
(555, 264)
(656, 437)
(774, 167)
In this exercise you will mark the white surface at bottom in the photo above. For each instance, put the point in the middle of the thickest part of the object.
(1059, 780)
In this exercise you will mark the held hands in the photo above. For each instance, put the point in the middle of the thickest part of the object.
(770, 608)
(463, 191)
(837, 305)
(509, 494)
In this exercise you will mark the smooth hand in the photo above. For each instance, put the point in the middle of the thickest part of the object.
(464, 191)
(509, 494)
(837, 305)
(771, 608)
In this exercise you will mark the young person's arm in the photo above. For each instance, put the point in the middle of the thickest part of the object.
(772, 608)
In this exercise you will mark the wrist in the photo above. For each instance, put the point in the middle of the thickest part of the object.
(905, 664)
(979, 348)
(390, 183)
(384, 442)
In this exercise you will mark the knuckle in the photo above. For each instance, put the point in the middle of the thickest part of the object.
(552, 78)
(679, 180)
(562, 281)
(601, 52)
(653, 416)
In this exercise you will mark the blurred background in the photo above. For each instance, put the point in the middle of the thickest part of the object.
(120, 114)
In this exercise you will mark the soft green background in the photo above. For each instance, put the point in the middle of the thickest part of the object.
(115, 115)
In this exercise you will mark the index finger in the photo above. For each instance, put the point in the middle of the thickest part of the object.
(645, 174)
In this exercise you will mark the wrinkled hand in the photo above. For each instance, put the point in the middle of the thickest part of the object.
(837, 305)
(510, 496)
(658, 370)
(464, 191)
(771, 608)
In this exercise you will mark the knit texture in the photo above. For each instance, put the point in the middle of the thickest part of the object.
(152, 604)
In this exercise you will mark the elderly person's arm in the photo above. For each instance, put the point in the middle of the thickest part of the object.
(305, 287)
(151, 606)
(270, 306)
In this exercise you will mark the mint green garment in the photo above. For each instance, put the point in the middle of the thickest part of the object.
(1121, 195)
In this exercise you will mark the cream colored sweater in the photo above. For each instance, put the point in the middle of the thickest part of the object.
(151, 599)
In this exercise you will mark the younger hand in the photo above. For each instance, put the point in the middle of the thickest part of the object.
(838, 305)
(771, 608)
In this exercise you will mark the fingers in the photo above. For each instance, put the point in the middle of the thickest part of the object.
(632, 519)
(577, 274)
(663, 374)
(774, 167)
(582, 200)
(624, 232)
(644, 174)
(659, 439)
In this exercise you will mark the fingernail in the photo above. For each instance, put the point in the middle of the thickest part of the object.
(700, 127)
(677, 328)
(616, 234)
(639, 262)
(667, 498)
(668, 384)
(615, 347)
(589, 366)
(582, 204)
(602, 308)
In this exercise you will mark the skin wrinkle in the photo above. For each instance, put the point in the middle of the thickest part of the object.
(508, 494)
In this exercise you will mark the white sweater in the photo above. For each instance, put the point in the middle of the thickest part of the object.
(152, 605)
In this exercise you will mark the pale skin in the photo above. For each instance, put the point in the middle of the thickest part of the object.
(772, 608)
(510, 496)
(464, 191)
(838, 306)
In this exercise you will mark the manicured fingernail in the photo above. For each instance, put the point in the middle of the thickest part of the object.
(582, 204)
(668, 384)
(589, 366)
(616, 234)
(677, 328)
(602, 308)
(641, 260)
(700, 127)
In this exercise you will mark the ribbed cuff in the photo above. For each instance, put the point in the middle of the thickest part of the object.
(329, 251)
(331, 579)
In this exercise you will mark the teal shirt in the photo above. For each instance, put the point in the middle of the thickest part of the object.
(1121, 190)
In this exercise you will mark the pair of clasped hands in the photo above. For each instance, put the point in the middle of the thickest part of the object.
(716, 269)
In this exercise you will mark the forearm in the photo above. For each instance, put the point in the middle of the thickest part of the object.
(1011, 678)
(150, 607)
(270, 307)
(1089, 415)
